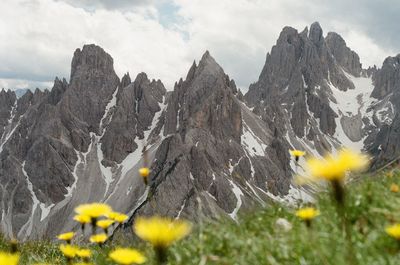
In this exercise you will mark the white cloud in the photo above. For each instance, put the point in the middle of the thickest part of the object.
(42, 35)
(21, 84)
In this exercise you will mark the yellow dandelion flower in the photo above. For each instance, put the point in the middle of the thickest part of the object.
(105, 223)
(334, 168)
(66, 236)
(297, 154)
(99, 238)
(93, 210)
(83, 219)
(144, 172)
(84, 253)
(69, 251)
(307, 213)
(394, 231)
(9, 258)
(161, 232)
(126, 256)
(394, 188)
(120, 218)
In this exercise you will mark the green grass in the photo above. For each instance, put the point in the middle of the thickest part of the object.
(258, 240)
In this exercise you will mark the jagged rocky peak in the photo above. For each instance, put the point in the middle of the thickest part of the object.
(301, 75)
(91, 57)
(206, 84)
(136, 106)
(57, 91)
(93, 83)
(316, 34)
(7, 102)
(307, 56)
(203, 127)
(126, 80)
(387, 79)
(344, 56)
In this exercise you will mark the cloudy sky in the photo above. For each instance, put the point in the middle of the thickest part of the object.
(163, 37)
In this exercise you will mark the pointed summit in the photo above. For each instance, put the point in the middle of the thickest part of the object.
(126, 80)
(316, 33)
(91, 57)
(208, 64)
(344, 56)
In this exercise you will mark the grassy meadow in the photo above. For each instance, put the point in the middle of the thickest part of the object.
(371, 204)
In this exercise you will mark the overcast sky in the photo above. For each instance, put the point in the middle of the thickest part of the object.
(162, 38)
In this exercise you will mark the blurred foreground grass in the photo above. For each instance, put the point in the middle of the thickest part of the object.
(259, 239)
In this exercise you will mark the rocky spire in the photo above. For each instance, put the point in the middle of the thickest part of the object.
(345, 57)
(387, 79)
(316, 34)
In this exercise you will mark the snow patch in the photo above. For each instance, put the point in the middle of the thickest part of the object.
(351, 103)
(109, 106)
(251, 142)
(181, 209)
(45, 210)
(7, 135)
(71, 188)
(238, 193)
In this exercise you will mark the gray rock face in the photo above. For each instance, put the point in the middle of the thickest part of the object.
(299, 73)
(208, 164)
(137, 103)
(384, 144)
(348, 59)
(387, 79)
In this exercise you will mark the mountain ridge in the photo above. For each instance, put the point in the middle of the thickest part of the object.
(213, 151)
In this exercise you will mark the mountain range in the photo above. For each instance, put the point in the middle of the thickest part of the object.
(212, 150)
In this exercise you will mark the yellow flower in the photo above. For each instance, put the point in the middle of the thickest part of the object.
(161, 232)
(297, 153)
(334, 168)
(126, 256)
(93, 210)
(394, 231)
(99, 238)
(8, 258)
(389, 174)
(144, 172)
(84, 253)
(69, 251)
(394, 188)
(112, 215)
(120, 218)
(105, 223)
(307, 214)
(83, 219)
(66, 236)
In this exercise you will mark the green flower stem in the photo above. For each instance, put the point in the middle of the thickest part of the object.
(344, 224)
(161, 255)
